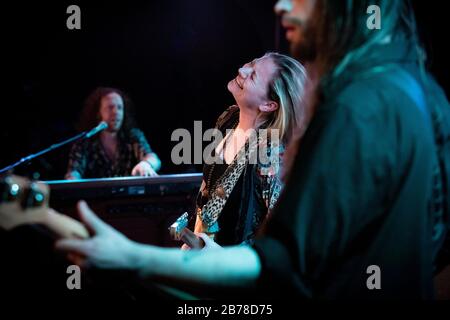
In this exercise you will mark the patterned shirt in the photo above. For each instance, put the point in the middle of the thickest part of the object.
(89, 157)
(253, 196)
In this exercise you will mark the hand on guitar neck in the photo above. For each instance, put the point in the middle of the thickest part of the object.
(179, 231)
(24, 202)
(191, 239)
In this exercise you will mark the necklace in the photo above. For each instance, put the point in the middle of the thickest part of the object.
(219, 190)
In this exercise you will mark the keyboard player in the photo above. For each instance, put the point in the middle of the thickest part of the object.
(120, 150)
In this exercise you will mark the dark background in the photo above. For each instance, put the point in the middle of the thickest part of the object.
(174, 58)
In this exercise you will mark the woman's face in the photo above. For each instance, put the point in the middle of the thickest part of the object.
(112, 111)
(250, 88)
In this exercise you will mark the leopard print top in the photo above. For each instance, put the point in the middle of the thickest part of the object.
(268, 183)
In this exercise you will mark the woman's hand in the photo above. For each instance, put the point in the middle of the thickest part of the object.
(185, 247)
(143, 169)
(203, 242)
(107, 249)
(210, 244)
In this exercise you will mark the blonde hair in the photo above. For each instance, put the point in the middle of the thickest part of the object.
(287, 89)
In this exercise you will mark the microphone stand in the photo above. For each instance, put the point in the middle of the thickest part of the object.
(51, 148)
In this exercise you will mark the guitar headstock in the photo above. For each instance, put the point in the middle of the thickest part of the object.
(176, 229)
(26, 202)
(19, 198)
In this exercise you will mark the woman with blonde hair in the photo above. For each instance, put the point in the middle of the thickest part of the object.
(242, 184)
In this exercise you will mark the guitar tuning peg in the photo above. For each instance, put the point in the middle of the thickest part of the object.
(33, 196)
(9, 189)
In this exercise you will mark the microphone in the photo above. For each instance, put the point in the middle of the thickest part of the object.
(101, 126)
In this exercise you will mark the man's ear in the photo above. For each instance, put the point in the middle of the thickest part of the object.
(269, 106)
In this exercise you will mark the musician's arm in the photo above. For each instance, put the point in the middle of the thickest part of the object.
(109, 249)
(236, 266)
(143, 150)
(153, 159)
(77, 161)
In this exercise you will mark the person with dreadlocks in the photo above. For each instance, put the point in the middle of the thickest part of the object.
(354, 220)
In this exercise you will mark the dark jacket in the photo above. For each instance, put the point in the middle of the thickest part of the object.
(358, 195)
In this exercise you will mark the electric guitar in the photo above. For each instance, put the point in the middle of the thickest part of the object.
(179, 231)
